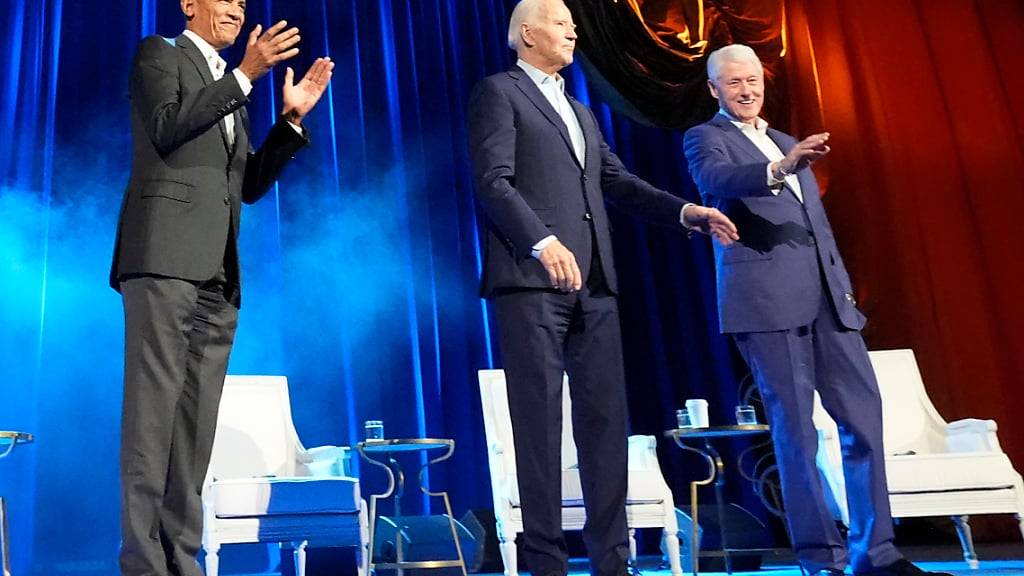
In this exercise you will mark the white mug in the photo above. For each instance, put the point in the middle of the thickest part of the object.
(698, 410)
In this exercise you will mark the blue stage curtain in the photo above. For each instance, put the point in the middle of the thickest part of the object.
(360, 268)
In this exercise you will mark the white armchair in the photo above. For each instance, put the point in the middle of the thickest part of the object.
(649, 502)
(263, 486)
(933, 468)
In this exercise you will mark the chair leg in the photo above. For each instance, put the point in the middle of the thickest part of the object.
(632, 548)
(363, 556)
(5, 546)
(508, 554)
(299, 555)
(212, 560)
(670, 540)
(963, 530)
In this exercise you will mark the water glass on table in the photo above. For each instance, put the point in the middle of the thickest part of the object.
(745, 415)
(683, 418)
(374, 430)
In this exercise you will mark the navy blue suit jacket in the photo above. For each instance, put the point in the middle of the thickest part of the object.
(531, 184)
(773, 278)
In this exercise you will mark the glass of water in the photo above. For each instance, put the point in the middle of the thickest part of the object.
(683, 418)
(745, 415)
(374, 430)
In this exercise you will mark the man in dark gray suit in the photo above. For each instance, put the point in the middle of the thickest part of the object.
(543, 172)
(176, 260)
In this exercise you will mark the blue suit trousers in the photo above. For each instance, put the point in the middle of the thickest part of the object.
(788, 366)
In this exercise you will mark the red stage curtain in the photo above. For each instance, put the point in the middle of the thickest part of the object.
(926, 183)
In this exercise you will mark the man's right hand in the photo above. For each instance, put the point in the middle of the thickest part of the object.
(805, 153)
(263, 52)
(561, 265)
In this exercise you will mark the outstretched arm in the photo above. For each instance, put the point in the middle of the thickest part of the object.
(714, 171)
(634, 195)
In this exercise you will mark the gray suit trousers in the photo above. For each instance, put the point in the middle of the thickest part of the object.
(178, 336)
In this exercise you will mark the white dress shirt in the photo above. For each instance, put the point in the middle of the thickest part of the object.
(758, 134)
(553, 89)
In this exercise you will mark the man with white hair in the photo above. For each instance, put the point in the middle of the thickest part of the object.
(543, 173)
(785, 296)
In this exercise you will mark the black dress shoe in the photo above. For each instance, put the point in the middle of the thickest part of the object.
(901, 567)
(829, 572)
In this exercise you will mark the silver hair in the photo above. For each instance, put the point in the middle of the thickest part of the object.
(524, 11)
(732, 53)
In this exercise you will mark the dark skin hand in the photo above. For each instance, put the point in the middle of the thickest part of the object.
(263, 51)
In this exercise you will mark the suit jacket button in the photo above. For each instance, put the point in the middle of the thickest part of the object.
(584, 177)
(588, 217)
(227, 202)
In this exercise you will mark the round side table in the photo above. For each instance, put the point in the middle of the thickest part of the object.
(716, 474)
(385, 450)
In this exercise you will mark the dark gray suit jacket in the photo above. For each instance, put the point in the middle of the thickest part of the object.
(531, 184)
(774, 277)
(182, 206)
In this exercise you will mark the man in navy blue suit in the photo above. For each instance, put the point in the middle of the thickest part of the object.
(543, 173)
(785, 296)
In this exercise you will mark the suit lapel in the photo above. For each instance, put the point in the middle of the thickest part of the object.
(740, 139)
(199, 61)
(526, 85)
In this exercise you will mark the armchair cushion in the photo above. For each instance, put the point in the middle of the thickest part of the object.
(933, 467)
(947, 472)
(272, 496)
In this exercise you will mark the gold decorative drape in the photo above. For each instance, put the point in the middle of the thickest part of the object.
(647, 57)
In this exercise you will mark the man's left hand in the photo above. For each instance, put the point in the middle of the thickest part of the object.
(712, 222)
(300, 98)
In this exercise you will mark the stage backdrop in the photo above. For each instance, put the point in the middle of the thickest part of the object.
(361, 268)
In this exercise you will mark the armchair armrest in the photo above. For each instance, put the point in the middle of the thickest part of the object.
(501, 466)
(642, 452)
(324, 461)
(972, 435)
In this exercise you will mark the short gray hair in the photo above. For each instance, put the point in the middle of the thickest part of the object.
(732, 53)
(524, 10)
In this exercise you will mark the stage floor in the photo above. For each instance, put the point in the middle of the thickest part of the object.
(990, 568)
(997, 560)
